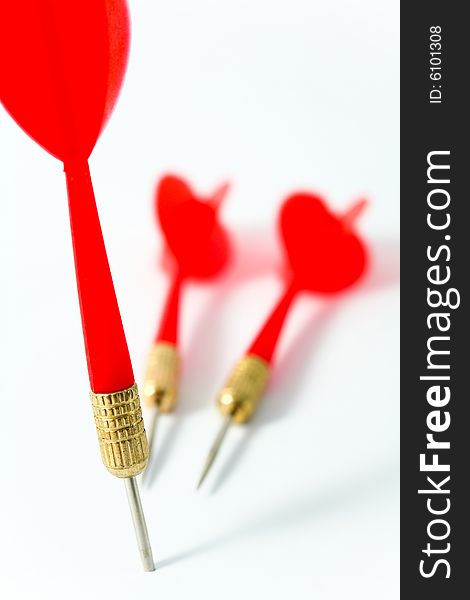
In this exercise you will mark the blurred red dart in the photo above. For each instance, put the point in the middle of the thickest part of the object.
(325, 256)
(198, 248)
(61, 71)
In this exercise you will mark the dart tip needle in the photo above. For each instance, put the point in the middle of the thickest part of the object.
(151, 438)
(204, 472)
(152, 430)
(140, 526)
(214, 450)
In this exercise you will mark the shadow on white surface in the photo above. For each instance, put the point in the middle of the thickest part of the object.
(352, 494)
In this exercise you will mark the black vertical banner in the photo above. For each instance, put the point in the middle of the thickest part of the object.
(435, 332)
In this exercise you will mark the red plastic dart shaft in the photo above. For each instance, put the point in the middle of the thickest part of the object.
(325, 256)
(265, 342)
(108, 360)
(167, 331)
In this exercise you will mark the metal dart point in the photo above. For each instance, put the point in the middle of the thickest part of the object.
(214, 450)
(153, 429)
(138, 518)
(151, 440)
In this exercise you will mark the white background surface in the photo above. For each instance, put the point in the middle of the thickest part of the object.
(304, 502)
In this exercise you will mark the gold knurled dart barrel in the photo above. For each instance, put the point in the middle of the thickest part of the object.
(125, 452)
(121, 433)
(242, 392)
(238, 400)
(160, 387)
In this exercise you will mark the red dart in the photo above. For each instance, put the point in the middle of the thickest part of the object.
(325, 256)
(197, 248)
(61, 71)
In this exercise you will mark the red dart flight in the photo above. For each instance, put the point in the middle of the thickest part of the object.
(62, 67)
